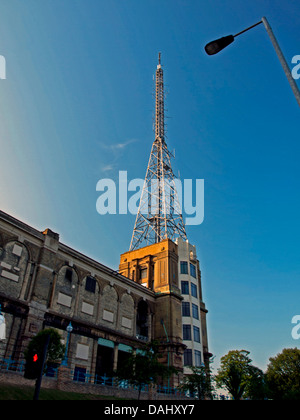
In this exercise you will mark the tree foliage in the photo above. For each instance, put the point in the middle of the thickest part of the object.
(198, 383)
(240, 377)
(256, 384)
(143, 368)
(283, 375)
(55, 348)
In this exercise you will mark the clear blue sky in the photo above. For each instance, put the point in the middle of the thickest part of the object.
(77, 106)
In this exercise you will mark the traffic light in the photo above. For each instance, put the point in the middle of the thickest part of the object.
(34, 363)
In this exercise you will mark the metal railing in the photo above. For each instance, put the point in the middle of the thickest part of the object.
(10, 364)
(84, 377)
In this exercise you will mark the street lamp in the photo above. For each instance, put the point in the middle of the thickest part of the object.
(65, 359)
(219, 44)
(164, 327)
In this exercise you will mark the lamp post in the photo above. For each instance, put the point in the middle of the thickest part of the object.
(219, 44)
(164, 327)
(65, 359)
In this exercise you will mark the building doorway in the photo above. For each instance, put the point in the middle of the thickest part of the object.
(105, 358)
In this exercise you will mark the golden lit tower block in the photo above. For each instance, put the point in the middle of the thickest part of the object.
(156, 267)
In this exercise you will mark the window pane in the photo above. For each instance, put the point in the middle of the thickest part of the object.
(194, 290)
(183, 267)
(185, 287)
(186, 332)
(192, 270)
(196, 331)
(90, 284)
(195, 311)
(186, 309)
(187, 357)
(198, 361)
(79, 374)
(68, 275)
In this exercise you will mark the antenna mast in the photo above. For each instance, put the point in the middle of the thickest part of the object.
(159, 216)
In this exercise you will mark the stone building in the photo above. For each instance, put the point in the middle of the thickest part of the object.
(155, 267)
(44, 283)
(172, 271)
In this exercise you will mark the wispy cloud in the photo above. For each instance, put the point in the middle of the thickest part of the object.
(107, 168)
(113, 151)
(114, 147)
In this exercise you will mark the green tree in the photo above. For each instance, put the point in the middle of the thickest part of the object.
(55, 348)
(143, 368)
(283, 375)
(234, 372)
(256, 388)
(198, 382)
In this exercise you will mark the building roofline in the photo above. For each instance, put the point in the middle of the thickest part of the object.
(21, 225)
(74, 253)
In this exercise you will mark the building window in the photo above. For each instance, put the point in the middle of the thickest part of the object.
(69, 273)
(187, 357)
(195, 311)
(79, 374)
(186, 309)
(196, 331)
(198, 361)
(192, 270)
(194, 290)
(185, 287)
(186, 332)
(183, 267)
(143, 273)
(90, 284)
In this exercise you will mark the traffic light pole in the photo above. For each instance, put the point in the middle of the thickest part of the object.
(39, 378)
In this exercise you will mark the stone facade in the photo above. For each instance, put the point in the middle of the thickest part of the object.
(156, 268)
(44, 283)
(172, 271)
(193, 308)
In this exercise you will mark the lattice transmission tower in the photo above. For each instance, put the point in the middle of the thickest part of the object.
(159, 215)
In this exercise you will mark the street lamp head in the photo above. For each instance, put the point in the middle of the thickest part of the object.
(69, 328)
(219, 44)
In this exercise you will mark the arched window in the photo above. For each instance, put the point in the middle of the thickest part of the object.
(65, 290)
